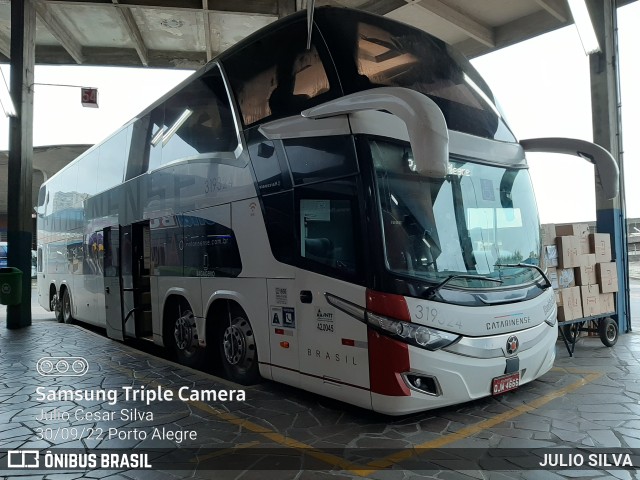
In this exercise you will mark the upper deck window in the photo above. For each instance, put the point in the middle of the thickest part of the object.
(372, 51)
(277, 76)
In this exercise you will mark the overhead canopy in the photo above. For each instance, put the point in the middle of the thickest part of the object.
(187, 33)
(47, 161)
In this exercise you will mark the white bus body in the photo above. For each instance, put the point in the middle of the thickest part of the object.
(280, 214)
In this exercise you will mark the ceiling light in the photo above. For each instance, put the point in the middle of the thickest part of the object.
(171, 23)
(584, 25)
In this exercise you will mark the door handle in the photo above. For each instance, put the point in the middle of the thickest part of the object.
(306, 296)
(107, 290)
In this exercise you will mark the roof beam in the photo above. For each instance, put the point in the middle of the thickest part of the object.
(251, 7)
(554, 7)
(5, 45)
(134, 33)
(381, 7)
(474, 29)
(68, 41)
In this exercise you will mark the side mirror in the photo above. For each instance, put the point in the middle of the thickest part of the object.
(606, 165)
(426, 125)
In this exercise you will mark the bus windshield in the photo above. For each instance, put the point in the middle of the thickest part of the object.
(371, 52)
(473, 222)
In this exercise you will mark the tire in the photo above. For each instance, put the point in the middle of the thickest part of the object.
(571, 332)
(56, 307)
(184, 337)
(238, 350)
(67, 317)
(608, 331)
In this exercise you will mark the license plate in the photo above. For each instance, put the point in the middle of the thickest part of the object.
(505, 383)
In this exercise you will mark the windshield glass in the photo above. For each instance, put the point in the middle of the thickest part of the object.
(475, 220)
(371, 51)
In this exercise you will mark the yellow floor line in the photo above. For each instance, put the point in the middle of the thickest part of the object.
(332, 460)
(395, 458)
(478, 427)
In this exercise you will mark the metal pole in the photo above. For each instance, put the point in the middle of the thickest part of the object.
(607, 132)
(20, 168)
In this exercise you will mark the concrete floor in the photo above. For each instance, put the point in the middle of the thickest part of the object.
(589, 400)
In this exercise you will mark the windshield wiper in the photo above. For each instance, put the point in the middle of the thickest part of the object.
(528, 265)
(429, 292)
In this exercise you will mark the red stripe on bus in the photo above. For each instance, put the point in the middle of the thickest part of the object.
(348, 342)
(388, 358)
(279, 331)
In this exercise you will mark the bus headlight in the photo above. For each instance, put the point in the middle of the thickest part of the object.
(413, 334)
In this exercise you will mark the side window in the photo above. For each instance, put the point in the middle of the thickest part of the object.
(329, 227)
(283, 77)
(146, 140)
(198, 120)
(112, 161)
(268, 165)
(320, 158)
(88, 174)
(279, 220)
(210, 246)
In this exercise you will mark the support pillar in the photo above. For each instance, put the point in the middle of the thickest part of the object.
(607, 132)
(20, 168)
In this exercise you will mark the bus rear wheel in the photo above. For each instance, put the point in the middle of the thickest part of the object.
(184, 337)
(67, 317)
(238, 350)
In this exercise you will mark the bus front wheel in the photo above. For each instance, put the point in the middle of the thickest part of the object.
(185, 339)
(238, 350)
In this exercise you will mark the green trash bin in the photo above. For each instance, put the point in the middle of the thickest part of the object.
(10, 286)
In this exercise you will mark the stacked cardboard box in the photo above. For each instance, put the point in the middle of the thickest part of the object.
(579, 266)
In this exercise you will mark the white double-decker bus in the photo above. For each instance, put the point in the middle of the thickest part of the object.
(353, 217)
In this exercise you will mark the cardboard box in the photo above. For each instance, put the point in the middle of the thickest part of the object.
(600, 244)
(607, 303)
(566, 278)
(548, 234)
(549, 256)
(580, 230)
(552, 275)
(558, 298)
(607, 275)
(568, 251)
(590, 295)
(570, 306)
(585, 274)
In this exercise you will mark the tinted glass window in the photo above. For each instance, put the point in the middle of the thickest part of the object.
(149, 129)
(277, 76)
(372, 51)
(279, 220)
(328, 227)
(198, 120)
(166, 238)
(321, 158)
(210, 248)
(269, 167)
(88, 174)
(112, 161)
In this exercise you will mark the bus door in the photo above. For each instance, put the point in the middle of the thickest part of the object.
(135, 256)
(333, 344)
(113, 283)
